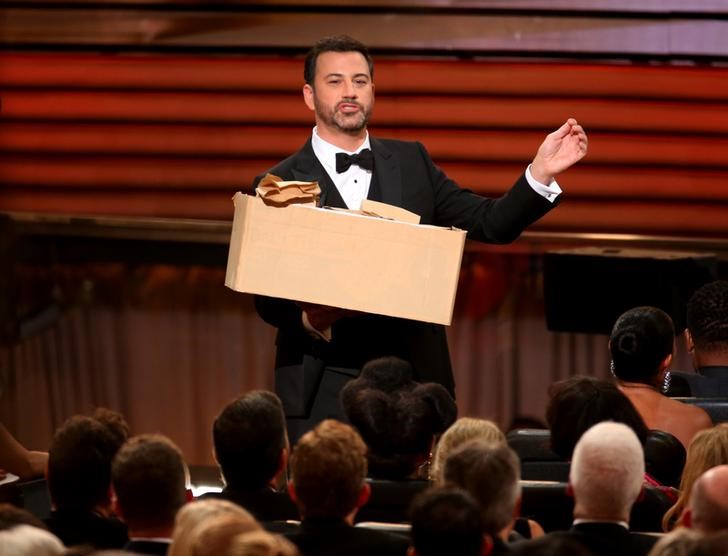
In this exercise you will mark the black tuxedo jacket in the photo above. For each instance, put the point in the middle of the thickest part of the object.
(608, 539)
(405, 176)
(330, 537)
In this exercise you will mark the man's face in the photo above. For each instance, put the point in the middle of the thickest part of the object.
(342, 95)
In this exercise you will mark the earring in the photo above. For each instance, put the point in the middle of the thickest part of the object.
(666, 380)
(611, 368)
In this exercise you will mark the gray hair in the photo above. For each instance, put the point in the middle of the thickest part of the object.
(491, 474)
(607, 469)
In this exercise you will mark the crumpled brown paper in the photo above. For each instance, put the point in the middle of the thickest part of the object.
(275, 191)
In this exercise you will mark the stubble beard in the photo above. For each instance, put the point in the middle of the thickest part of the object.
(347, 123)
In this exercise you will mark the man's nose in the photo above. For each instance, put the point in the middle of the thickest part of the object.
(349, 90)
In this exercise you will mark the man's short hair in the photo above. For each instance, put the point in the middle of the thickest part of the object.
(491, 474)
(335, 43)
(79, 463)
(328, 468)
(707, 317)
(607, 470)
(709, 501)
(446, 520)
(149, 478)
(249, 435)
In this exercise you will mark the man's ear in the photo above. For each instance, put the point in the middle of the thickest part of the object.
(411, 551)
(364, 494)
(689, 343)
(687, 518)
(308, 96)
(292, 492)
(570, 490)
(114, 503)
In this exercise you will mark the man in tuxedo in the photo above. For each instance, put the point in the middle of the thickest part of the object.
(350, 165)
(490, 474)
(606, 476)
(328, 485)
(251, 449)
(706, 337)
(149, 480)
(707, 511)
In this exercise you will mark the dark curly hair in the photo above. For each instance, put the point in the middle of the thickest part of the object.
(641, 338)
(397, 417)
(707, 317)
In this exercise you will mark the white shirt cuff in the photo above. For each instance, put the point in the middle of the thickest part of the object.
(548, 192)
(324, 335)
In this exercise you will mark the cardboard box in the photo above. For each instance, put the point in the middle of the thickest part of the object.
(344, 259)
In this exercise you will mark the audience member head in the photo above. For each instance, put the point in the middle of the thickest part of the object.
(335, 43)
(677, 543)
(578, 403)
(79, 462)
(707, 324)
(249, 435)
(708, 449)
(462, 430)
(641, 344)
(149, 478)
(23, 540)
(607, 472)
(214, 536)
(261, 543)
(708, 508)
(10, 516)
(446, 520)
(328, 471)
(490, 473)
(397, 417)
(191, 520)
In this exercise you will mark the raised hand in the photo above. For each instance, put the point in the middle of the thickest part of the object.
(559, 151)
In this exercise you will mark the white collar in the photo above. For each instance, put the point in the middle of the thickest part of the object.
(326, 152)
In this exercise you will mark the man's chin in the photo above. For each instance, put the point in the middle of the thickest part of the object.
(351, 127)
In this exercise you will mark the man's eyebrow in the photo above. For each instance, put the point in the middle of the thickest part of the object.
(338, 74)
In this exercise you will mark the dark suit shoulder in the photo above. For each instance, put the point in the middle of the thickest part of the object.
(345, 539)
(75, 528)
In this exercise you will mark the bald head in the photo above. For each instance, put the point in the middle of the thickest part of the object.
(709, 501)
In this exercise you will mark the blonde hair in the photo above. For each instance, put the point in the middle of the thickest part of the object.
(27, 539)
(194, 520)
(462, 430)
(261, 543)
(708, 449)
(679, 542)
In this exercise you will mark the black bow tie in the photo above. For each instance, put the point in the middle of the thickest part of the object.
(364, 159)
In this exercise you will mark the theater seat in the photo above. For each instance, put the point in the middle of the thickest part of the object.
(664, 458)
(390, 500)
(549, 503)
(538, 461)
(717, 408)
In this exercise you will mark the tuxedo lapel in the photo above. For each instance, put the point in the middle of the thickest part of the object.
(386, 168)
(308, 168)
